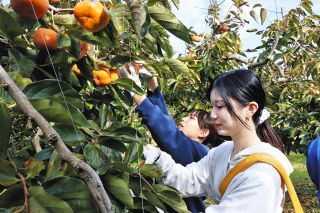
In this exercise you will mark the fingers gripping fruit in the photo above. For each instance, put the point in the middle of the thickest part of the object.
(132, 67)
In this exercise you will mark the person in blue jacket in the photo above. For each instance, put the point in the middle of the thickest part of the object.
(313, 162)
(185, 141)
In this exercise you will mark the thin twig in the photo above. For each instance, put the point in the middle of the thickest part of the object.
(26, 193)
(57, 10)
(24, 185)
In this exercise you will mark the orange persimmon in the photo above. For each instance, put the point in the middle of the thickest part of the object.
(91, 15)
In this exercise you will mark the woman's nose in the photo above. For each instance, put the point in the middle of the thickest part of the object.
(213, 115)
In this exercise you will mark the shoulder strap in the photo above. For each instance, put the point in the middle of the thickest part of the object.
(263, 158)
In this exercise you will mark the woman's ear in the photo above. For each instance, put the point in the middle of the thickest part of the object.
(203, 134)
(252, 107)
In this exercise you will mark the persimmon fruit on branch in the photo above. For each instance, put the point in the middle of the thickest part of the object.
(91, 15)
(196, 38)
(224, 27)
(32, 9)
(43, 37)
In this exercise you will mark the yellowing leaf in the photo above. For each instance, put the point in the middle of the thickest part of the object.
(263, 14)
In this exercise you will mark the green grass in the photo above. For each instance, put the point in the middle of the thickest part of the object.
(305, 189)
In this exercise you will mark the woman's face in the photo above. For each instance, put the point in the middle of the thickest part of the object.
(223, 122)
(190, 127)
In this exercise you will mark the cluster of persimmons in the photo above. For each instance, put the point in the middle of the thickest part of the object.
(91, 16)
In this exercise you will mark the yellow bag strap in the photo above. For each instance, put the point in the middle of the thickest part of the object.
(263, 158)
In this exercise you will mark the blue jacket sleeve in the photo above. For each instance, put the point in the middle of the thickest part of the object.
(156, 98)
(168, 137)
(313, 162)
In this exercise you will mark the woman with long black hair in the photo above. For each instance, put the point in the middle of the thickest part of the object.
(238, 110)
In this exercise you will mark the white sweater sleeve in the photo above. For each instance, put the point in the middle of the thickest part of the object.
(192, 180)
(258, 189)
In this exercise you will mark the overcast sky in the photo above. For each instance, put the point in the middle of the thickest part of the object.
(193, 13)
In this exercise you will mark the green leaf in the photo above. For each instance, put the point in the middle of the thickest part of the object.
(145, 27)
(263, 15)
(138, 14)
(166, 46)
(64, 40)
(9, 26)
(151, 170)
(124, 134)
(48, 88)
(254, 15)
(93, 156)
(307, 5)
(152, 198)
(151, 43)
(120, 60)
(55, 111)
(5, 130)
(103, 115)
(65, 19)
(144, 205)
(56, 90)
(60, 57)
(169, 21)
(171, 197)
(177, 66)
(112, 143)
(2, 210)
(70, 134)
(4, 96)
(73, 191)
(119, 188)
(257, 5)
(23, 63)
(85, 36)
(41, 201)
(56, 167)
(34, 167)
(176, 3)
(12, 196)
(7, 174)
(117, 13)
(44, 154)
(129, 85)
(134, 153)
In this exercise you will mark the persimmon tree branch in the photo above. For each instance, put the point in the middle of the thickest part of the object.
(54, 9)
(85, 172)
(245, 60)
(265, 61)
(237, 57)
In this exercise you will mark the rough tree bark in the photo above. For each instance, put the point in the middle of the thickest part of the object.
(85, 172)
